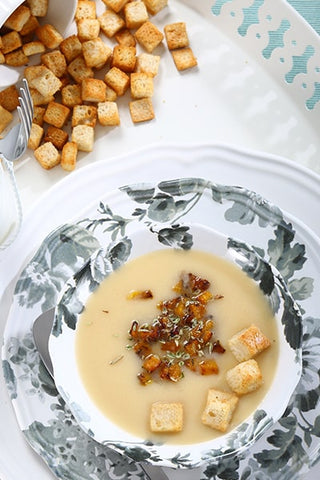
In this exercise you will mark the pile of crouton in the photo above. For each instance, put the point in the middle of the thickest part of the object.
(64, 87)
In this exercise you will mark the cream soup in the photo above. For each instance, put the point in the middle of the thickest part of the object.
(109, 369)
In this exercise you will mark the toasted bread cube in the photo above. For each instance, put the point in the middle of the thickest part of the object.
(46, 83)
(248, 343)
(38, 114)
(93, 90)
(84, 115)
(71, 47)
(219, 409)
(111, 95)
(154, 6)
(86, 9)
(56, 62)
(33, 48)
(148, 63)
(141, 85)
(1, 44)
(96, 53)
(166, 417)
(115, 5)
(47, 155)
(38, 99)
(9, 98)
(11, 41)
(125, 37)
(110, 23)
(83, 136)
(36, 134)
(88, 29)
(2, 58)
(16, 58)
(69, 156)
(49, 36)
(124, 58)
(56, 136)
(108, 114)
(5, 118)
(38, 8)
(33, 72)
(71, 95)
(176, 35)
(79, 70)
(148, 36)
(56, 114)
(135, 14)
(141, 110)
(246, 377)
(18, 18)
(184, 58)
(30, 26)
(118, 80)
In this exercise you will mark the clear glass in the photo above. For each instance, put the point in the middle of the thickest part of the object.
(10, 205)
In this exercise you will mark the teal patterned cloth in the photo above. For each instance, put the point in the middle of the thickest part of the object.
(310, 11)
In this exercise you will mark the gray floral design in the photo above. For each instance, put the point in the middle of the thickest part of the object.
(283, 449)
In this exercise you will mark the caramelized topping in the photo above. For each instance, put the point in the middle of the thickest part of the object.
(181, 336)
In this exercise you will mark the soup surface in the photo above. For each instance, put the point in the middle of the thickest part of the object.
(109, 369)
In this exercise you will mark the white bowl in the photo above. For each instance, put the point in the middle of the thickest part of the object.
(162, 208)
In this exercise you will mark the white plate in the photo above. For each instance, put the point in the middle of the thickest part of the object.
(215, 163)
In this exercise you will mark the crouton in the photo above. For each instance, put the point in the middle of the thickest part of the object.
(36, 134)
(9, 98)
(38, 114)
(84, 115)
(115, 5)
(34, 71)
(11, 41)
(125, 37)
(2, 58)
(33, 48)
(96, 53)
(148, 36)
(88, 28)
(110, 23)
(83, 136)
(16, 58)
(18, 18)
(176, 35)
(124, 58)
(30, 26)
(38, 99)
(5, 118)
(56, 114)
(141, 110)
(86, 9)
(154, 6)
(71, 47)
(47, 155)
(56, 62)
(117, 80)
(93, 90)
(148, 63)
(49, 36)
(108, 114)
(248, 343)
(245, 377)
(166, 417)
(71, 95)
(39, 8)
(141, 85)
(135, 14)
(69, 156)
(46, 83)
(56, 136)
(184, 58)
(79, 70)
(111, 95)
(219, 409)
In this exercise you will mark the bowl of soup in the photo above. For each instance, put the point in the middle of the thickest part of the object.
(173, 343)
